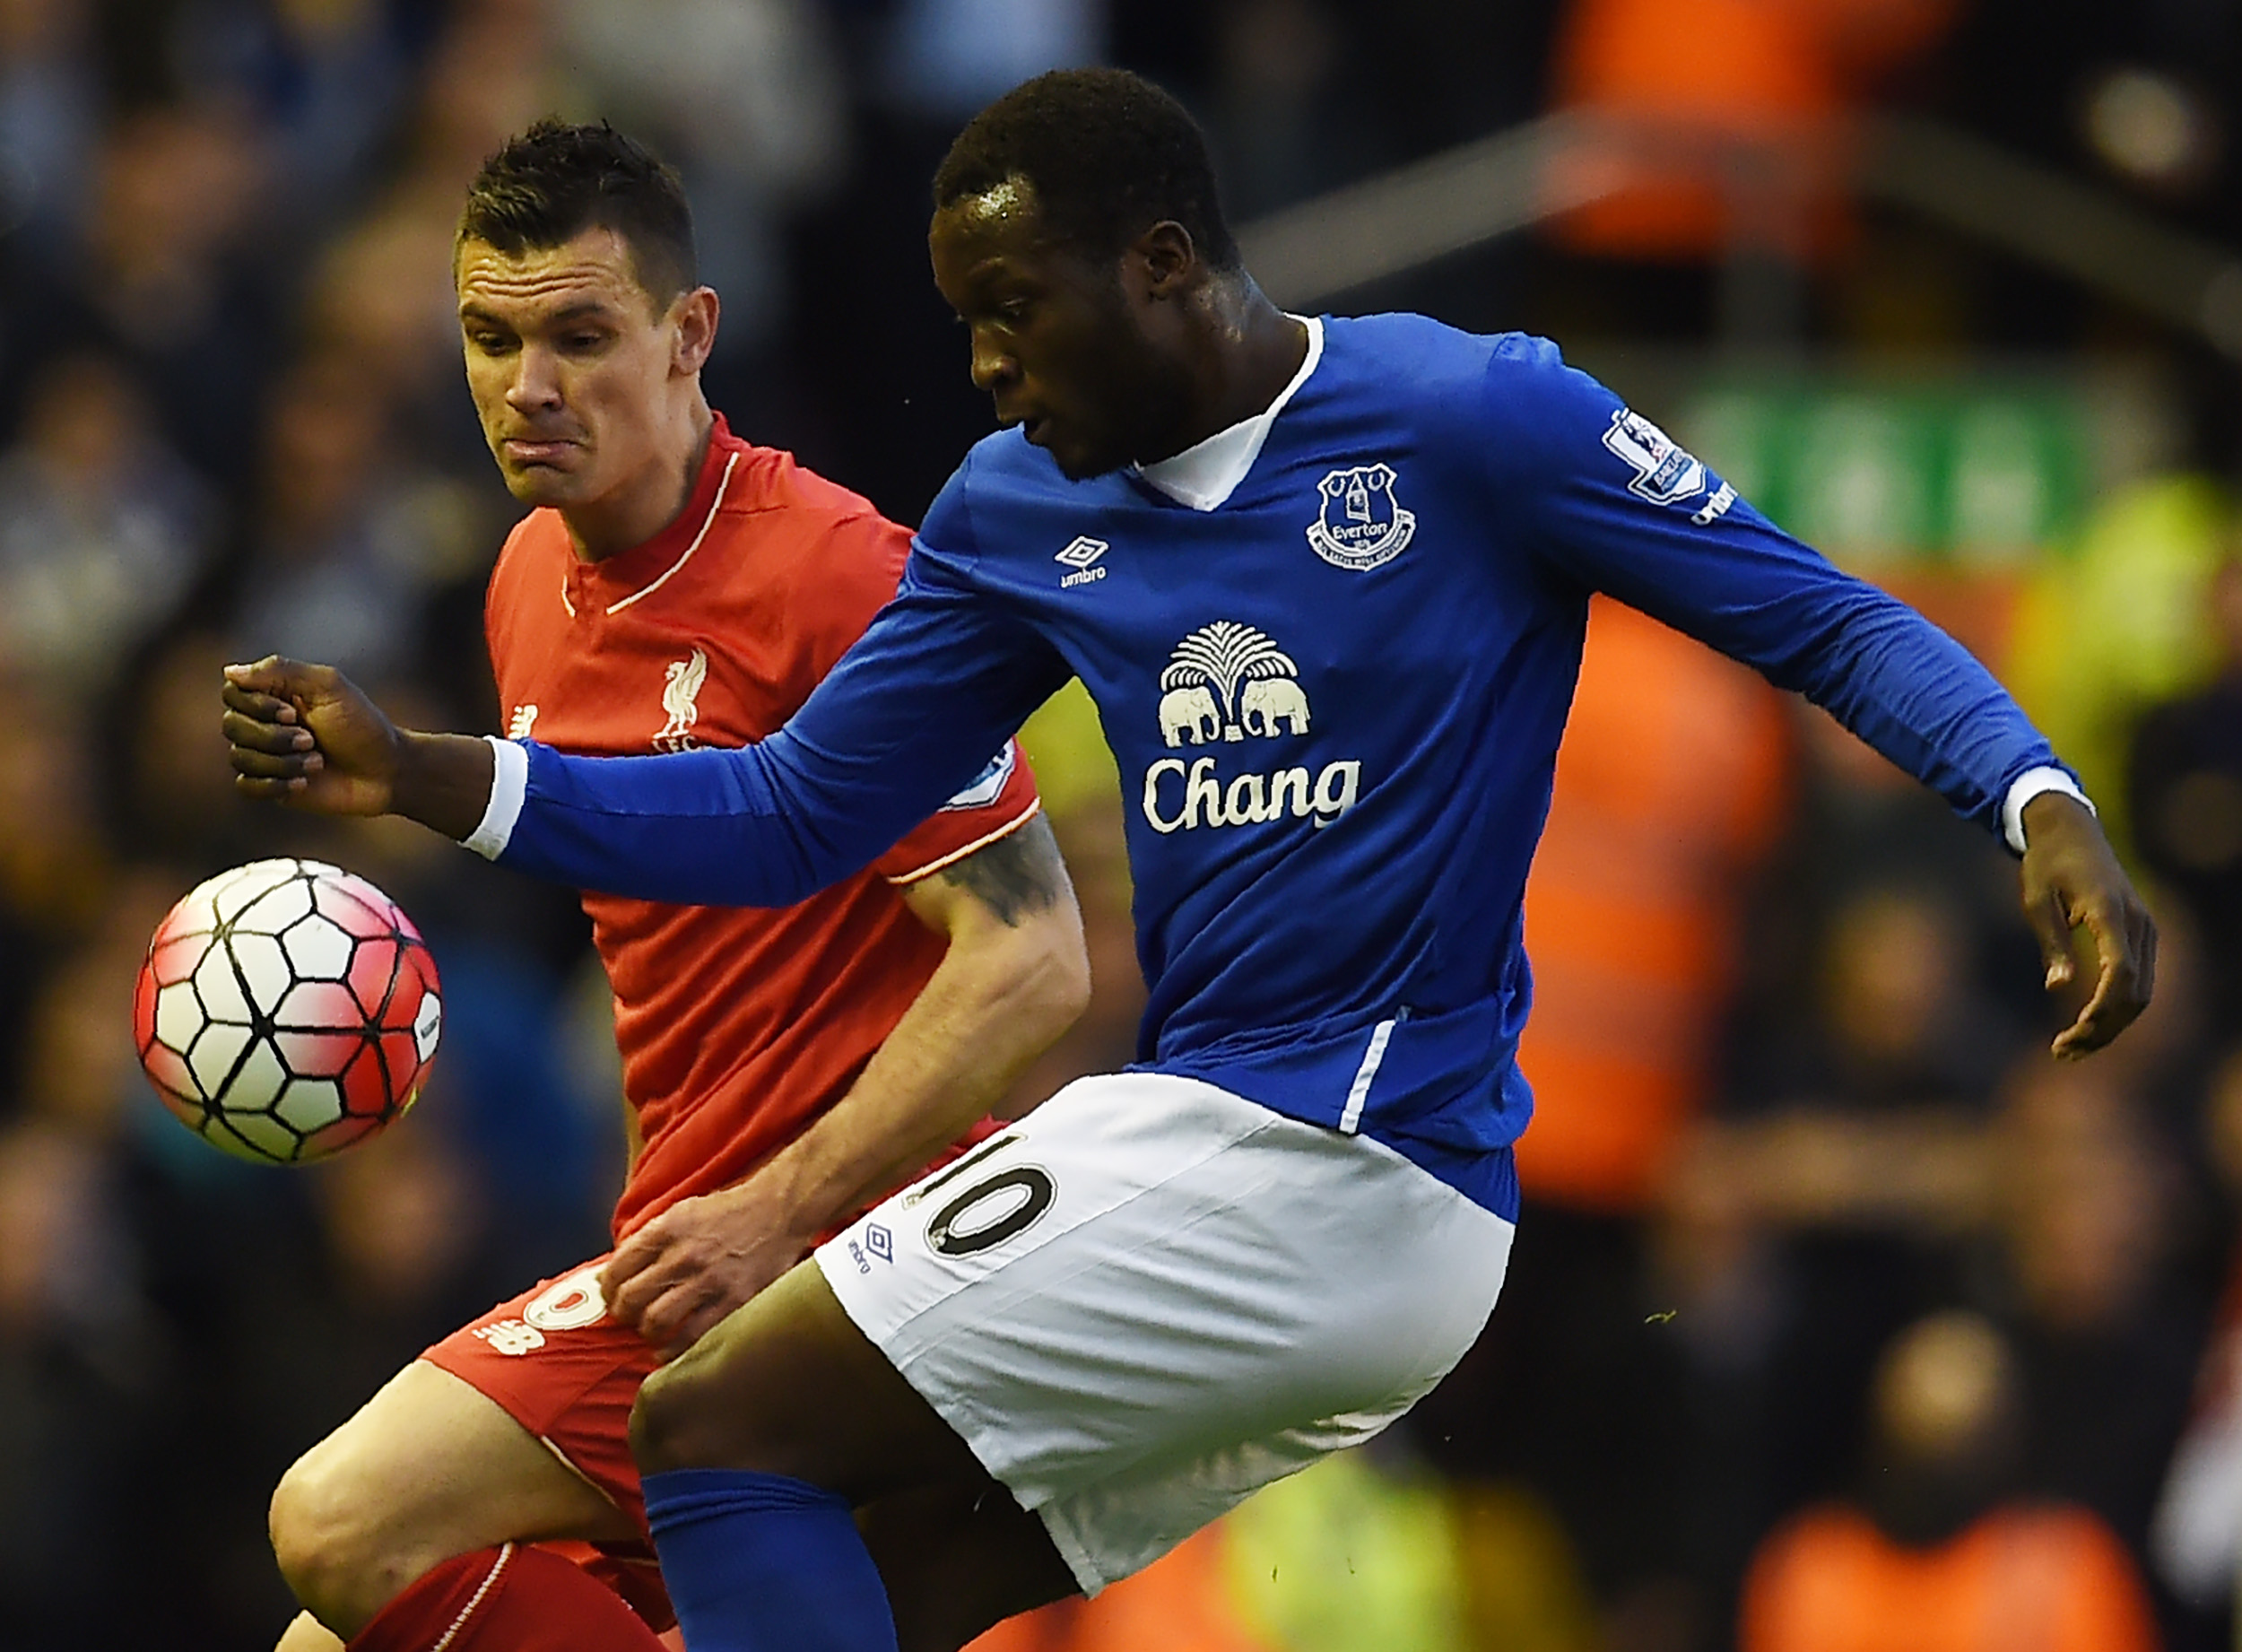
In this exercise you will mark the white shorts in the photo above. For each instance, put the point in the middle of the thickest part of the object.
(1150, 1298)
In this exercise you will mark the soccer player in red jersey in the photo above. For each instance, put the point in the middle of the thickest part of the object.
(673, 586)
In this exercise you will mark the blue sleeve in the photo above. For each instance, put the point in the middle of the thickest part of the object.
(939, 679)
(1620, 508)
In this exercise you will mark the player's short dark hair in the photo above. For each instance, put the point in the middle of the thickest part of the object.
(1109, 155)
(551, 183)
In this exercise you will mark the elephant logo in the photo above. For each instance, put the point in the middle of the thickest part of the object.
(1188, 716)
(1263, 704)
(1228, 681)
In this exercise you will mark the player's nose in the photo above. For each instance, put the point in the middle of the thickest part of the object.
(994, 367)
(536, 382)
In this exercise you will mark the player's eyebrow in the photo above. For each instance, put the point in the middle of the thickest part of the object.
(581, 310)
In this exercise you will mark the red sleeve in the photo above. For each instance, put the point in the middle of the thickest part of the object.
(857, 571)
(1000, 801)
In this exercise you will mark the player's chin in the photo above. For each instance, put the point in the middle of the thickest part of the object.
(541, 485)
(1080, 461)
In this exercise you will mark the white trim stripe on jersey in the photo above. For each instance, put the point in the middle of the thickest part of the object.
(1359, 1092)
(904, 880)
(707, 522)
(466, 1612)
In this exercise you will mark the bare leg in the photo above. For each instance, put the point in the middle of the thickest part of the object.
(787, 1384)
(428, 1469)
(957, 1562)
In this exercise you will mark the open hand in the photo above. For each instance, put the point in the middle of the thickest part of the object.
(692, 1264)
(305, 735)
(2072, 880)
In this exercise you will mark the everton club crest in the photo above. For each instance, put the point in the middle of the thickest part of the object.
(1360, 525)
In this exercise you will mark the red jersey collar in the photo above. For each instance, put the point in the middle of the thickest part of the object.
(619, 580)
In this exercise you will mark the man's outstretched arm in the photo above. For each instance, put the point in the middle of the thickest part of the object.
(1679, 544)
(900, 725)
(305, 735)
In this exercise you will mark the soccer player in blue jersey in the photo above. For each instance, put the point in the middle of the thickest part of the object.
(1327, 581)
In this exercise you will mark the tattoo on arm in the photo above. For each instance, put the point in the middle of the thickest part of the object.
(1015, 876)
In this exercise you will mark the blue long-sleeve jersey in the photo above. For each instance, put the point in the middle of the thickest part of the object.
(1336, 699)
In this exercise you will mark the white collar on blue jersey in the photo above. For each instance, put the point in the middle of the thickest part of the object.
(1205, 476)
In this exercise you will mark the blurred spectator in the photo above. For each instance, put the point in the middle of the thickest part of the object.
(2119, 624)
(1670, 786)
(80, 1366)
(2106, 1344)
(2183, 794)
(337, 562)
(1937, 1555)
(745, 97)
(1722, 136)
(948, 57)
(381, 299)
(103, 530)
(177, 804)
(49, 107)
(323, 80)
(1279, 116)
(1357, 1552)
(169, 279)
(486, 79)
(2197, 1536)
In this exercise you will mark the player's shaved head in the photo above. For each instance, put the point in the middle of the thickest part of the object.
(1107, 154)
(555, 181)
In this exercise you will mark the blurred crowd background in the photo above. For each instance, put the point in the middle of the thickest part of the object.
(1841, 1318)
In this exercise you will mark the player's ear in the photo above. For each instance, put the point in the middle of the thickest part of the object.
(693, 318)
(1166, 258)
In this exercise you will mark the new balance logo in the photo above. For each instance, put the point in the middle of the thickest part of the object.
(520, 725)
(1080, 556)
(511, 1336)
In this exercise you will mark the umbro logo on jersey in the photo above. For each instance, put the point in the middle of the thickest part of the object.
(1360, 525)
(1228, 682)
(1080, 555)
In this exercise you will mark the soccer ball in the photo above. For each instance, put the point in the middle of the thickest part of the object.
(287, 1009)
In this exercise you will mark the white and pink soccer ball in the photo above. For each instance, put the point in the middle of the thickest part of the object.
(287, 1009)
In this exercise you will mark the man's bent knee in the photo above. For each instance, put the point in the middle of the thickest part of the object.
(334, 1549)
(428, 1468)
(673, 1425)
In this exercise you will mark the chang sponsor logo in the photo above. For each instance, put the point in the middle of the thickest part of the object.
(1178, 798)
(1225, 684)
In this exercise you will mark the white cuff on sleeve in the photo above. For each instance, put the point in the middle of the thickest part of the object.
(2026, 787)
(509, 786)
